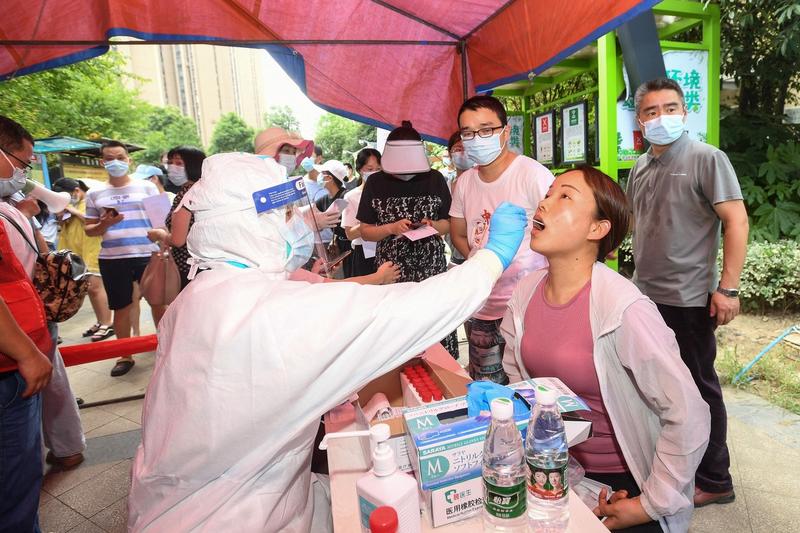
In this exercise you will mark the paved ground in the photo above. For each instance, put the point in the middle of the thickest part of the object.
(764, 441)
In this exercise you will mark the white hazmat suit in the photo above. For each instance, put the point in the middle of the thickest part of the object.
(242, 375)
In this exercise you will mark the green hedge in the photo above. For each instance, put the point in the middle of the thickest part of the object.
(770, 278)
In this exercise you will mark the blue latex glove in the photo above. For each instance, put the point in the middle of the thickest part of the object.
(481, 393)
(506, 231)
(307, 164)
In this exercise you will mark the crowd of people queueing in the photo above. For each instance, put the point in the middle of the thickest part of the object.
(524, 273)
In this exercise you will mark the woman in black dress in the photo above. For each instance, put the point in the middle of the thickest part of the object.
(406, 194)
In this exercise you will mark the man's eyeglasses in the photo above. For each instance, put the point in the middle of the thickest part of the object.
(26, 164)
(483, 132)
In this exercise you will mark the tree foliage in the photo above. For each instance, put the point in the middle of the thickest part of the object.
(231, 134)
(87, 99)
(282, 117)
(340, 137)
(761, 50)
(766, 156)
(166, 128)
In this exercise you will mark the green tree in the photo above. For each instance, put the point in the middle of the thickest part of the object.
(166, 128)
(87, 99)
(282, 117)
(340, 137)
(231, 134)
(761, 50)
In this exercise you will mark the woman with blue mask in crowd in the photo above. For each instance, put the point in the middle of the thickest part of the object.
(368, 162)
(184, 167)
(404, 195)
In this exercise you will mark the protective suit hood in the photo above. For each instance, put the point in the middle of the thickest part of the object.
(226, 226)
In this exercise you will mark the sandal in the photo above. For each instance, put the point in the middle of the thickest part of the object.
(122, 367)
(91, 331)
(103, 332)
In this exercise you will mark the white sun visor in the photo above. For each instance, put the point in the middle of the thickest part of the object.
(405, 157)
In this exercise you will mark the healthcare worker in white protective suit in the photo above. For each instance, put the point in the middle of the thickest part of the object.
(240, 380)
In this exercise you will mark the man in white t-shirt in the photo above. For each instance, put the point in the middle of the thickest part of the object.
(500, 176)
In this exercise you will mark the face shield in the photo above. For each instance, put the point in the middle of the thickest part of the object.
(247, 214)
(300, 230)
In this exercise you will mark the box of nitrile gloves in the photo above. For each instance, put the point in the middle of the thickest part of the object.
(445, 446)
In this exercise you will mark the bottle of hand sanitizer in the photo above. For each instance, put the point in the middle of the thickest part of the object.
(386, 485)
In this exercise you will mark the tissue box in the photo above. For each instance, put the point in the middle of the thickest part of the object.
(446, 446)
(452, 385)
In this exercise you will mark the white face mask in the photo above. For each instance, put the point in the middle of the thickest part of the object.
(15, 183)
(663, 130)
(176, 174)
(484, 150)
(365, 175)
(288, 161)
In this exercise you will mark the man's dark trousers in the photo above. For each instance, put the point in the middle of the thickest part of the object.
(694, 331)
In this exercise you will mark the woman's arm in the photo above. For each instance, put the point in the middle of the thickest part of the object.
(181, 218)
(442, 225)
(648, 349)
(353, 232)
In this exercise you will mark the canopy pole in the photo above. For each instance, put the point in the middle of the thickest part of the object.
(462, 49)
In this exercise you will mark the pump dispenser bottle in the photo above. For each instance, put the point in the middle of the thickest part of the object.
(384, 484)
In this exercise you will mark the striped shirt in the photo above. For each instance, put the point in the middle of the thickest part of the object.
(129, 237)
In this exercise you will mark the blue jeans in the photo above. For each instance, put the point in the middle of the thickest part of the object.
(20, 456)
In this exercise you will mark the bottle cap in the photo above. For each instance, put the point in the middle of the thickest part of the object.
(545, 397)
(383, 520)
(502, 408)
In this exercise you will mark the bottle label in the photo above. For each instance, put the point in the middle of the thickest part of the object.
(504, 502)
(548, 483)
(365, 508)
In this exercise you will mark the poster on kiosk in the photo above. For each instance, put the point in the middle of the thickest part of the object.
(690, 69)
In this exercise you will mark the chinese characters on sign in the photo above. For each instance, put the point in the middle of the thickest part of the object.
(690, 69)
(573, 133)
(515, 133)
(544, 137)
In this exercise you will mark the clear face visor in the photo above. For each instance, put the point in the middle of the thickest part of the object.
(291, 199)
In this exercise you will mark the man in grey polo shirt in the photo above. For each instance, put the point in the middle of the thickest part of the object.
(683, 193)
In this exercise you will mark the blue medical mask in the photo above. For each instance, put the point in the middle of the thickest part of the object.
(116, 168)
(665, 129)
(299, 242)
(484, 150)
(17, 181)
(461, 160)
(365, 175)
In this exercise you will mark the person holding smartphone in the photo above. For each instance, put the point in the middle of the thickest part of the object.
(406, 192)
(116, 213)
(331, 177)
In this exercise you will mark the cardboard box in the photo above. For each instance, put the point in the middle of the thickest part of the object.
(446, 446)
(452, 385)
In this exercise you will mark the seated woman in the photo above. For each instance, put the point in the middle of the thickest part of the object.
(585, 324)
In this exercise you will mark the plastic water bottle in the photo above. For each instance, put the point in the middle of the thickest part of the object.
(504, 473)
(547, 457)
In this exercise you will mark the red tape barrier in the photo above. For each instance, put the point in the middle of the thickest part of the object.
(80, 354)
